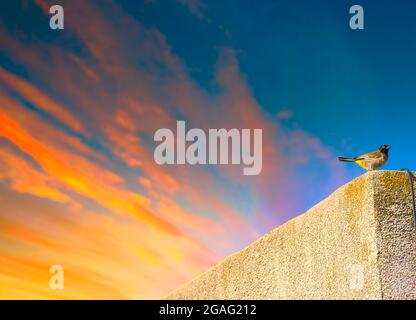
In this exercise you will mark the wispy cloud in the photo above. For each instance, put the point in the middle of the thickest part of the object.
(196, 7)
(79, 183)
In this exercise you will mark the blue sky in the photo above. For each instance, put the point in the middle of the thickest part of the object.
(352, 89)
(79, 107)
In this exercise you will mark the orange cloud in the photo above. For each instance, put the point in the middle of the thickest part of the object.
(35, 96)
(79, 186)
(25, 178)
(79, 181)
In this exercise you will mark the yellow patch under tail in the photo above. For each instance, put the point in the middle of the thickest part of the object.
(360, 163)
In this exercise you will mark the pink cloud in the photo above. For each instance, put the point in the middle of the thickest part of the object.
(128, 83)
(284, 114)
(196, 7)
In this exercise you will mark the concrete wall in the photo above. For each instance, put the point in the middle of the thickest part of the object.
(359, 243)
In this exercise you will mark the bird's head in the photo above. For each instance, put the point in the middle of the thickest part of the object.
(385, 149)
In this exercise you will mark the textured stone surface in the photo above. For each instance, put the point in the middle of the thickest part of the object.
(359, 243)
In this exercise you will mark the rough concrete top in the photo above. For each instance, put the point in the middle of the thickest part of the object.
(359, 243)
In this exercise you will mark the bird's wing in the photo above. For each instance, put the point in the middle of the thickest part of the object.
(371, 156)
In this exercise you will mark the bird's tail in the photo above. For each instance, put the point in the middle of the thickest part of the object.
(346, 159)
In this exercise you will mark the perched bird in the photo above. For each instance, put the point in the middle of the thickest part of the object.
(372, 160)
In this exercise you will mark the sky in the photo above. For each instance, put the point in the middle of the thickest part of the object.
(78, 109)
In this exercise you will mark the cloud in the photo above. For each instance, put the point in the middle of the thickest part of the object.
(196, 7)
(25, 178)
(284, 114)
(80, 183)
(103, 257)
(37, 98)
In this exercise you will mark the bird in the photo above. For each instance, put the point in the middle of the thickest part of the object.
(372, 160)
